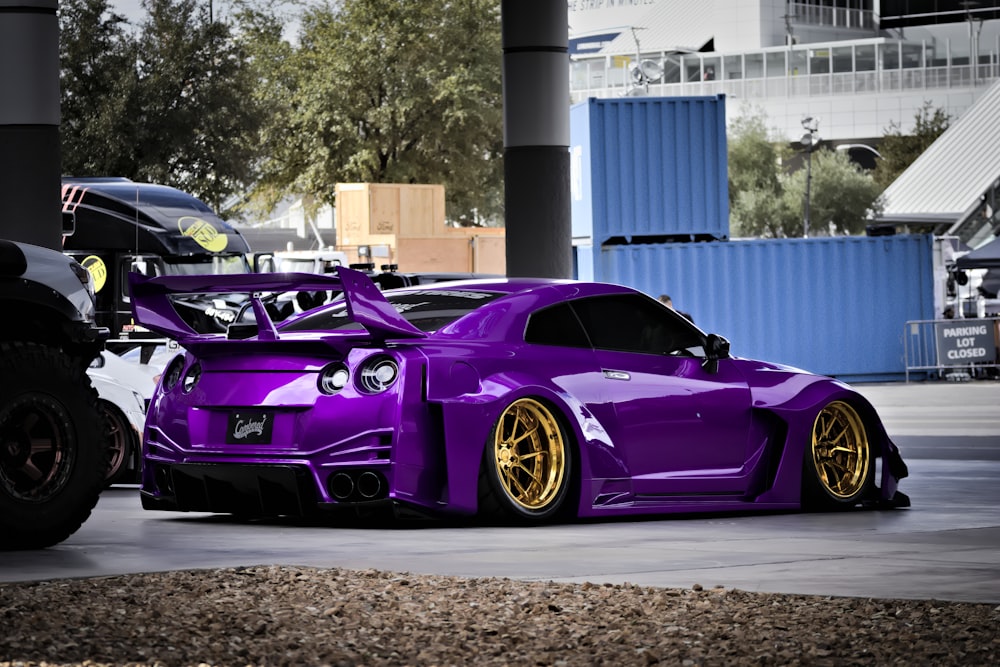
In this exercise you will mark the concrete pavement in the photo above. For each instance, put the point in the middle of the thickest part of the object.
(947, 546)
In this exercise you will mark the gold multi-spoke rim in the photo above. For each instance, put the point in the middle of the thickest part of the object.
(840, 450)
(529, 453)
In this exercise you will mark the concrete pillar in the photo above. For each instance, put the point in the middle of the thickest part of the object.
(29, 123)
(536, 138)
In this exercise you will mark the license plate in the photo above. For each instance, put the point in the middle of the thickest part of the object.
(250, 427)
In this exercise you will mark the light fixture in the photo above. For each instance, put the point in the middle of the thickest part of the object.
(810, 140)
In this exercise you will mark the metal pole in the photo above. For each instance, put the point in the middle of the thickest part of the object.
(809, 177)
(536, 138)
(29, 122)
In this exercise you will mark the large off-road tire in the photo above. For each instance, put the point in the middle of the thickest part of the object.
(53, 453)
(527, 465)
(123, 443)
(839, 470)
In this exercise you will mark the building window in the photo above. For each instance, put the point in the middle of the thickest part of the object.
(864, 58)
(733, 66)
(776, 64)
(819, 61)
(843, 59)
(797, 64)
(890, 55)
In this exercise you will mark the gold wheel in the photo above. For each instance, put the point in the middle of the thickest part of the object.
(841, 454)
(529, 455)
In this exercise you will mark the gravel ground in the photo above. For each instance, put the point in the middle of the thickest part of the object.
(271, 615)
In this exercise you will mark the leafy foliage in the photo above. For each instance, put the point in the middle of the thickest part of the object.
(899, 150)
(199, 127)
(766, 202)
(100, 90)
(388, 92)
(752, 157)
(754, 177)
(375, 91)
(168, 103)
(842, 198)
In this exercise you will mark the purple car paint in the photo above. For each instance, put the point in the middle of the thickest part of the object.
(527, 399)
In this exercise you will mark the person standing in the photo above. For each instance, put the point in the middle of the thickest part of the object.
(669, 303)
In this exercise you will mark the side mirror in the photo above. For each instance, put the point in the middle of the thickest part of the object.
(68, 223)
(716, 347)
(264, 263)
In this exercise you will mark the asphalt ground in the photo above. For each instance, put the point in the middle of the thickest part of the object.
(946, 546)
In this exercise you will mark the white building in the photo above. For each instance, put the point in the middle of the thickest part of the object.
(856, 65)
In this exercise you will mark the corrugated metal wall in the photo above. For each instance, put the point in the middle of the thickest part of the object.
(835, 306)
(649, 167)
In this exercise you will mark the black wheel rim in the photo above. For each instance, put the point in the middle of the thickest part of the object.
(118, 439)
(36, 453)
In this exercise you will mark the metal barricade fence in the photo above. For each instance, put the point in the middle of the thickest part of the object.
(956, 349)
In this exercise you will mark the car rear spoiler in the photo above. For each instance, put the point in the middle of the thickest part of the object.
(152, 307)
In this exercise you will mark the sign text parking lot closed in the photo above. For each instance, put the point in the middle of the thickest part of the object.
(964, 342)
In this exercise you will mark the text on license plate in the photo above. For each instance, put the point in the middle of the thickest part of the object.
(250, 427)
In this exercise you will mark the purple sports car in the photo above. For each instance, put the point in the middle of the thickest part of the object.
(518, 399)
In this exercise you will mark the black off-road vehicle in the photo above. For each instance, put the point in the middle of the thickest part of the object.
(53, 450)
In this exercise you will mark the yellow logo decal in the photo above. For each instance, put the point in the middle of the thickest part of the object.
(98, 272)
(204, 234)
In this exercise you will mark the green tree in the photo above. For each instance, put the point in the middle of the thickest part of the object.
(169, 103)
(842, 198)
(752, 156)
(754, 176)
(766, 202)
(261, 28)
(199, 122)
(100, 90)
(389, 91)
(899, 150)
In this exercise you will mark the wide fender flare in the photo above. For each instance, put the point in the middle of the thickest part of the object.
(469, 419)
(798, 411)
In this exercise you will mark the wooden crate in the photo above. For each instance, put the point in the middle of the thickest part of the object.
(461, 251)
(379, 213)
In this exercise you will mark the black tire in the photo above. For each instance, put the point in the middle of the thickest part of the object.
(527, 465)
(53, 454)
(838, 466)
(123, 446)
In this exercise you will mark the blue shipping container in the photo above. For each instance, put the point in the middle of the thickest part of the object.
(835, 306)
(649, 169)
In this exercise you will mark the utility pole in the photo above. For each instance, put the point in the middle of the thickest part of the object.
(969, 5)
(810, 140)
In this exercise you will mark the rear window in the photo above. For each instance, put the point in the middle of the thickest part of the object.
(428, 310)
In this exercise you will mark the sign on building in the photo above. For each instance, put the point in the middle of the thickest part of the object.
(964, 342)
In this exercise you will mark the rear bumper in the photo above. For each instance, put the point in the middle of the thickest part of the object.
(251, 490)
(258, 490)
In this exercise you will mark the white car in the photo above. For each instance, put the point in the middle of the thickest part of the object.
(123, 390)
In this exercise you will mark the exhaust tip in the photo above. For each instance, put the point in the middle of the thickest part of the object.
(341, 486)
(369, 485)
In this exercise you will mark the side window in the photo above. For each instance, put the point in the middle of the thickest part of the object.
(557, 325)
(636, 323)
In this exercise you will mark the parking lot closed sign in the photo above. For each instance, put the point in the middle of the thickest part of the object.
(963, 342)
